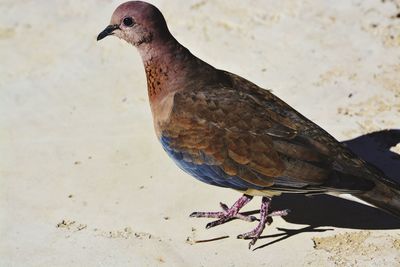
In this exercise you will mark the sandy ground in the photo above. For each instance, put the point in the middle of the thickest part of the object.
(83, 181)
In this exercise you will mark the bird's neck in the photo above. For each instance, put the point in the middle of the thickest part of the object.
(165, 67)
(171, 68)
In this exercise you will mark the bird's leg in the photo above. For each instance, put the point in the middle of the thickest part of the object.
(227, 213)
(265, 218)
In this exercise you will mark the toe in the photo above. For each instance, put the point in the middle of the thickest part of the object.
(215, 223)
(246, 235)
(252, 242)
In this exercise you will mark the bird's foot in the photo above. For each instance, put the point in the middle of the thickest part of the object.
(227, 213)
(233, 212)
(265, 218)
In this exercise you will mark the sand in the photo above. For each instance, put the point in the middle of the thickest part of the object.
(84, 181)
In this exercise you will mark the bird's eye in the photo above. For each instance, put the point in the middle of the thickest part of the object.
(128, 21)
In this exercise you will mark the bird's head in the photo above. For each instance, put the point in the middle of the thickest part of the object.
(137, 23)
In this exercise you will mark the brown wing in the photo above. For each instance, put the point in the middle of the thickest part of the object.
(253, 135)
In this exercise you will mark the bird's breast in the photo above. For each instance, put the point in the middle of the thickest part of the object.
(161, 108)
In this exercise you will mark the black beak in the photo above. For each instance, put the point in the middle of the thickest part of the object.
(107, 31)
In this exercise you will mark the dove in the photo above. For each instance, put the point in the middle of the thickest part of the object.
(226, 131)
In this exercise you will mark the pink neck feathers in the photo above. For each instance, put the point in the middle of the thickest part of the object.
(164, 65)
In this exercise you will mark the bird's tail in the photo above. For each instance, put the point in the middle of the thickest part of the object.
(383, 196)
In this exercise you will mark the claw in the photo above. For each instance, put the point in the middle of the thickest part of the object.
(227, 214)
(224, 206)
(252, 242)
(215, 223)
(233, 212)
(240, 236)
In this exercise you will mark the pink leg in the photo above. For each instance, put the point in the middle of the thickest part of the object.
(233, 212)
(264, 215)
(227, 213)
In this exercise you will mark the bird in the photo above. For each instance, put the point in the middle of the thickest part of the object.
(226, 131)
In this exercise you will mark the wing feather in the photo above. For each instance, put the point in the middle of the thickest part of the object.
(249, 133)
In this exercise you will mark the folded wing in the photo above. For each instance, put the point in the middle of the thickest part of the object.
(242, 132)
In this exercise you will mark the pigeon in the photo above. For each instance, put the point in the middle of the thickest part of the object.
(226, 131)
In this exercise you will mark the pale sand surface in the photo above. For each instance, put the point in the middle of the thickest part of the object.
(84, 182)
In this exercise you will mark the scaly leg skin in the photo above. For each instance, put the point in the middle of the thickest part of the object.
(264, 216)
(233, 212)
(227, 213)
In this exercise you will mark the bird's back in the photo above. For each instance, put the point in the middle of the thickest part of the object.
(226, 131)
(232, 133)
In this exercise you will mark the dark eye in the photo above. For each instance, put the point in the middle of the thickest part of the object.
(128, 21)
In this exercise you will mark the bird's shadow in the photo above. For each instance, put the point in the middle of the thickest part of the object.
(324, 210)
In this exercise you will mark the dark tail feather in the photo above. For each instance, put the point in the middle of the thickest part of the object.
(384, 197)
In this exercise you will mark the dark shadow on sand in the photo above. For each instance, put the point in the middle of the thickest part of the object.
(328, 211)
(324, 210)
